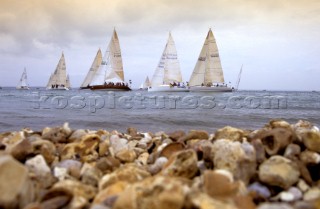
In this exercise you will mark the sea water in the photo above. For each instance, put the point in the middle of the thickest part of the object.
(161, 111)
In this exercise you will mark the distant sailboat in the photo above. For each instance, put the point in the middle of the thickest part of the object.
(110, 75)
(23, 82)
(167, 76)
(208, 74)
(94, 68)
(59, 79)
(145, 85)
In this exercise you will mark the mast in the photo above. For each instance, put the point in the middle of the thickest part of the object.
(239, 77)
(94, 67)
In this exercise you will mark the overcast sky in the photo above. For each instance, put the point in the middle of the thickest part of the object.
(277, 41)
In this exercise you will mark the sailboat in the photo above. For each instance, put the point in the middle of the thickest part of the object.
(23, 82)
(59, 80)
(208, 74)
(94, 68)
(167, 76)
(145, 85)
(110, 75)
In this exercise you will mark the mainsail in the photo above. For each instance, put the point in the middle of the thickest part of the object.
(208, 69)
(111, 67)
(168, 69)
(59, 77)
(94, 67)
(23, 82)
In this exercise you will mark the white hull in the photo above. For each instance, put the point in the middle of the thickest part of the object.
(22, 87)
(167, 88)
(210, 89)
(143, 89)
(59, 88)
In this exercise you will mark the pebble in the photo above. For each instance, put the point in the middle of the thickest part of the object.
(279, 171)
(302, 185)
(238, 158)
(311, 139)
(16, 188)
(260, 190)
(276, 140)
(312, 194)
(181, 164)
(275, 206)
(230, 133)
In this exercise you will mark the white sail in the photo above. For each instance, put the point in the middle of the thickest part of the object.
(146, 83)
(111, 67)
(117, 64)
(23, 82)
(59, 77)
(157, 78)
(168, 69)
(208, 69)
(94, 67)
(50, 82)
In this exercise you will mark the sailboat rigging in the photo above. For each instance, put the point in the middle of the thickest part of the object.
(239, 77)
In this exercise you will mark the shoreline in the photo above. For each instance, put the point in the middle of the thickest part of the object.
(273, 166)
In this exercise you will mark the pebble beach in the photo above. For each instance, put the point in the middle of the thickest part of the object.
(276, 166)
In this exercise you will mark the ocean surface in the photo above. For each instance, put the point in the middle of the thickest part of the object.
(38, 108)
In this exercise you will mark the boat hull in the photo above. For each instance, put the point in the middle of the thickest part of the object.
(87, 87)
(167, 88)
(58, 88)
(22, 88)
(110, 88)
(210, 89)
